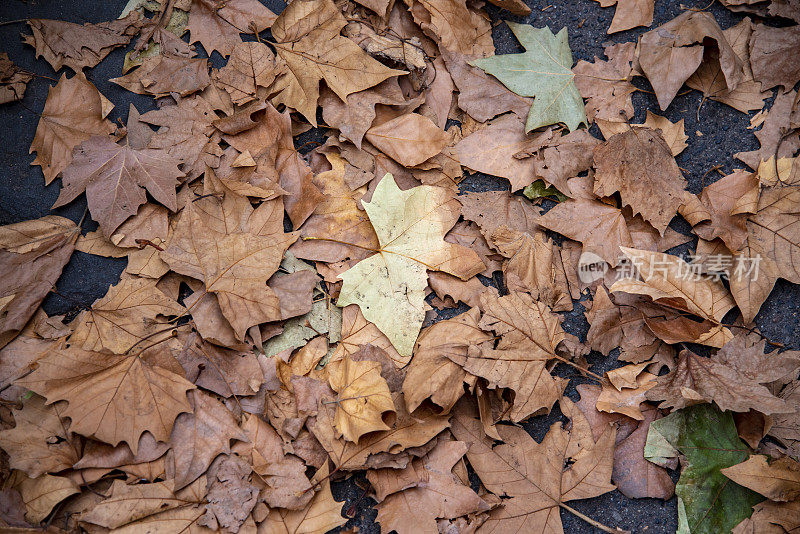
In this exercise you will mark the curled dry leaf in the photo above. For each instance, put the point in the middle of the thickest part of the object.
(363, 398)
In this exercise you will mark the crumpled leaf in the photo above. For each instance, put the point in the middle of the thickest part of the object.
(32, 255)
(308, 40)
(672, 52)
(640, 165)
(410, 500)
(165, 74)
(13, 80)
(79, 46)
(389, 286)
(663, 282)
(708, 502)
(74, 111)
(544, 72)
(606, 85)
(541, 477)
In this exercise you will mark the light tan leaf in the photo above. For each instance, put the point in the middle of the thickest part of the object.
(363, 398)
(778, 481)
(630, 14)
(74, 111)
(389, 286)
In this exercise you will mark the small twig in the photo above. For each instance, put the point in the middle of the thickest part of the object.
(591, 521)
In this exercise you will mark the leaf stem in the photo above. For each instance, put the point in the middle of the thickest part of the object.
(591, 521)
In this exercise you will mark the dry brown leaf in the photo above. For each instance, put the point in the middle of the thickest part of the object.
(218, 27)
(42, 494)
(626, 401)
(354, 116)
(634, 476)
(714, 218)
(453, 24)
(493, 209)
(778, 481)
(113, 398)
(131, 311)
(233, 249)
(785, 426)
(606, 85)
(629, 14)
(308, 41)
(166, 74)
(251, 65)
(133, 508)
(199, 437)
(696, 380)
(281, 477)
(363, 397)
(770, 53)
(74, 111)
(664, 280)
(79, 46)
(225, 372)
(13, 80)
(322, 513)
(710, 79)
(408, 139)
(491, 149)
(231, 494)
(480, 95)
(772, 518)
(538, 478)
(32, 256)
(40, 441)
(672, 52)
(601, 228)
(433, 372)
(428, 490)
(639, 164)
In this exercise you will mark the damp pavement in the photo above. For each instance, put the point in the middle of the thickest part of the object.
(716, 132)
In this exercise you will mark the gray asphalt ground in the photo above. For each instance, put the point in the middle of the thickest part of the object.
(724, 130)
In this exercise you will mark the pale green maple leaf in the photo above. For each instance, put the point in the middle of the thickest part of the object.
(389, 286)
(544, 71)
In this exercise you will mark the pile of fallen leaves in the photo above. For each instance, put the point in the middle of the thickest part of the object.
(266, 336)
